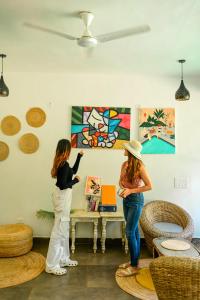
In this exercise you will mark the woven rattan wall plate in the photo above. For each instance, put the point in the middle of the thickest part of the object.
(35, 117)
(10, 125)
(4, 150)
(29, 143)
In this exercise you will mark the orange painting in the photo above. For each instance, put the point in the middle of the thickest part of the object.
(108, 194)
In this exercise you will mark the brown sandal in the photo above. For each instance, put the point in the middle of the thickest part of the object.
(130, 271)
(124, 265)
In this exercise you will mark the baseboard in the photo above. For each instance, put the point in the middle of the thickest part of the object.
(90, 240)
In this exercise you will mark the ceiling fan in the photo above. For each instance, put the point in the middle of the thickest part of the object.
(87, 39)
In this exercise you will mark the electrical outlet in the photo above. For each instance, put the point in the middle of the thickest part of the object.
(180, 182)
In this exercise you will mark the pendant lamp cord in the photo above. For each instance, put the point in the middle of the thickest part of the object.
(2, 65)
(181, 71)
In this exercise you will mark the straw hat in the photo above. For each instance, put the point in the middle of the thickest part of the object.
(16, 270)
(29, 143)
(10, 125)
(35, 117)
(135, 148)
(4, 150)
(132, 286)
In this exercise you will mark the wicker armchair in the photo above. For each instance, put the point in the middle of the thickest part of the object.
(163, 211)
(176, 278)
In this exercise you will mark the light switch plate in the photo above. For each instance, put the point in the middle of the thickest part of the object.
(181, 182)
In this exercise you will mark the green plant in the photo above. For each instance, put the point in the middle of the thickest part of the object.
(45, 215)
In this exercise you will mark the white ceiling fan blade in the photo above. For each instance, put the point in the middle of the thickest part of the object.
(64, 35)
(122, 33)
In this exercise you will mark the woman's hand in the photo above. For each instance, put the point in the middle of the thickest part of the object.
(81, 153)
(78, 177)
(125, 193)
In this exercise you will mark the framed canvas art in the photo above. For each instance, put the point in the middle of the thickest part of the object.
(157, 130)
(93, 186)
(108, 195)
(100, 127)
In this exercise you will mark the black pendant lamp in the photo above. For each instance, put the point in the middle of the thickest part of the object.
(4, 91)
(182, 94)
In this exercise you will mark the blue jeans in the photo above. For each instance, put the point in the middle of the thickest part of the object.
(132, 206)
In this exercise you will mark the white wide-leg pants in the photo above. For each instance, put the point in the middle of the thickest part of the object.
(59, 242)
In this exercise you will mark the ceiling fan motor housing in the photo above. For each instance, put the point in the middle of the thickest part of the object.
(87, 41)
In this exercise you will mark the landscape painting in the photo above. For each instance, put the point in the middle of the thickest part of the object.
(157, 130)
(100, 127)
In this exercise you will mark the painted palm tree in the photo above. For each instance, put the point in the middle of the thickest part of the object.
(155, 119)
(159, 114)
(151, 120)
(149, 123)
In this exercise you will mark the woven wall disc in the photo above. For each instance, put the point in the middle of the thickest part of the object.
(10, 125)
(29, 143)
(4, 150)
(35, 117)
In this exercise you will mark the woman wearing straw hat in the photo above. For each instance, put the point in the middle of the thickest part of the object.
(134, 180)
(58, 255)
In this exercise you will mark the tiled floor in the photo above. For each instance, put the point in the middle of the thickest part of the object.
(93, 279)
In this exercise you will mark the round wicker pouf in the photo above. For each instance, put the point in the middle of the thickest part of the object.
(15, 239)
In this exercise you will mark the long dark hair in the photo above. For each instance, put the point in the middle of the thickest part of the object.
(63, 150)
(133, 168)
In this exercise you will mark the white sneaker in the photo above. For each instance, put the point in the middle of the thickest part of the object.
(56, 271)
(69, 263)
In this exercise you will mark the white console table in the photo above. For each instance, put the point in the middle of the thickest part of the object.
(113, 217)
(84, 216)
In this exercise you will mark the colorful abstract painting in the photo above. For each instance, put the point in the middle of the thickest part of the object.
(157, 130)
(100, 127)
(93, 186)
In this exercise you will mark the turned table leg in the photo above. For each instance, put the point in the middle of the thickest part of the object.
(73, 223)
(123, 232)
(103, 237)
(126, 245)
(124, 236)
(95, 236)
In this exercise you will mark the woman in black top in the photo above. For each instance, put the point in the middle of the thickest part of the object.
(58, 255)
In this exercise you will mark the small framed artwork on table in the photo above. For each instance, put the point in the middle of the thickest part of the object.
(93, 186)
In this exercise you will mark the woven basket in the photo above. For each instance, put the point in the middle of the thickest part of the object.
(15, 239)
(176, 278)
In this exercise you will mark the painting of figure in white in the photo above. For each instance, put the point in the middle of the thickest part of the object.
(100, 127)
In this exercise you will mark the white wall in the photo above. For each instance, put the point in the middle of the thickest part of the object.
(26, 185)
